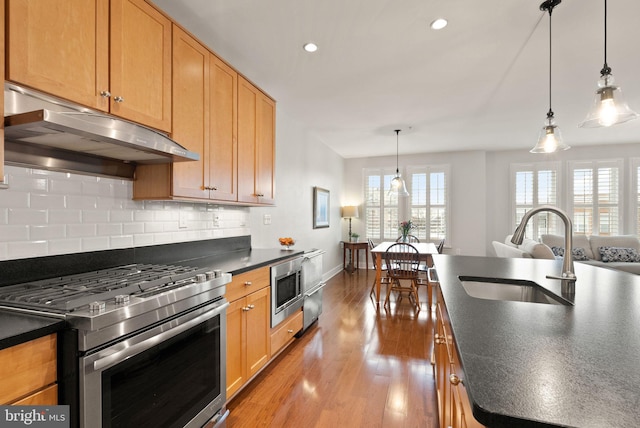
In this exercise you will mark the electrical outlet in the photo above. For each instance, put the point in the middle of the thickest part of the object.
(182, 220)
(266, 219)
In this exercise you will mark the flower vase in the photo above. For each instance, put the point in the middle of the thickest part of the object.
(404, 238)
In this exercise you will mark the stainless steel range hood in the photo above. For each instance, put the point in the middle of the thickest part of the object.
(45, 132)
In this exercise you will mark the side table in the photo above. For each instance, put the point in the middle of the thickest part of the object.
(354, 247)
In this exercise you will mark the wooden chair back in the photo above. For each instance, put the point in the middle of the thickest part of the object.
(402, 260)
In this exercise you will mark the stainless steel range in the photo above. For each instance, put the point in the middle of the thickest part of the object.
(151, 341)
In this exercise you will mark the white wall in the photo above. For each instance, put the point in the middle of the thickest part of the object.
(468, 197)
(302, 162)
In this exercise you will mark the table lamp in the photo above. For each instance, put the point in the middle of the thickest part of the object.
(350, 211)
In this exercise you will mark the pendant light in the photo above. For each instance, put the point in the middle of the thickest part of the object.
(397, 183)
(609, 107)
(550, 138)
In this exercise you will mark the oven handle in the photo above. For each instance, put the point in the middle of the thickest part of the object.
(132, 350)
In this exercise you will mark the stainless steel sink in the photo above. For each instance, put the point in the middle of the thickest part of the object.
(509, 289)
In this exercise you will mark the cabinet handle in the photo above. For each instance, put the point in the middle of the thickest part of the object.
(454, 379)
(118, 99)
(248, 283)
(290, 331)
(251, 306)
(105, 94)
(259, 195)
(439, 339)
(245, 309)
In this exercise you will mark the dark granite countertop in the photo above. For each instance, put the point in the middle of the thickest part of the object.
(539, 365)
(16, 328)
(240, 261)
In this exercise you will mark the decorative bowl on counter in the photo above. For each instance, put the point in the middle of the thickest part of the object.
(286, 242)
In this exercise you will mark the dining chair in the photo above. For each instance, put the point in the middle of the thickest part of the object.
(431, 276)
(384, 280)
(410, 239)
(402, 261)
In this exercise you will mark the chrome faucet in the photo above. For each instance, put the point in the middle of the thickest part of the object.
(568, 273)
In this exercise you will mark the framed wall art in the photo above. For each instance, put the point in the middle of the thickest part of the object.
(320, 207)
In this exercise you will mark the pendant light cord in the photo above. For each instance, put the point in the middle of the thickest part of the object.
(550, 113)
(606, 70)
(397, 152)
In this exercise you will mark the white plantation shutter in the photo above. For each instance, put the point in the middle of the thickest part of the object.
(380, 208)
(596, 197)
(534, 185)
(635, 191)
(429, 201)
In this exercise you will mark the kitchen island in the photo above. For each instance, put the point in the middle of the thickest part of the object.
(538, 365)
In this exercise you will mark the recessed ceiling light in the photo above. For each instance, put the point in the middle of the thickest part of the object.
(310, 47)
(439, 24)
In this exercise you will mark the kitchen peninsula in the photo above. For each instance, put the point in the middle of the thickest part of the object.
(538, 365)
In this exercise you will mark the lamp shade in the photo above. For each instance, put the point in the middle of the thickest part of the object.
(350, 211)
(550, 138)
(609, 107)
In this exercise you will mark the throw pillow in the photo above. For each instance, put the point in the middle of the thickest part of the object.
(579, 254)
(617, 254)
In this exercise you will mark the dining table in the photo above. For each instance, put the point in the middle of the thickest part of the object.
(425, 251)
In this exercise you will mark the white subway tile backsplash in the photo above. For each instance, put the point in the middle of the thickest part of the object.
(65, 216)
(82, 230)
(65, 246)
(13, 199)
(25, 249)
(46, 200)
(48, 213)
(14, 233)
(27, 216)
(47, 232)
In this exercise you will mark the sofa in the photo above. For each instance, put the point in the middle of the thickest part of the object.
(620, 252)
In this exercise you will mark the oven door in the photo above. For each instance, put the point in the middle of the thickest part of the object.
(286, 291)
(170, 375)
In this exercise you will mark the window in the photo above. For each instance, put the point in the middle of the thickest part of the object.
(635, 183)
(595, 192)
(380, 208)
(535, 185)
(429, 201)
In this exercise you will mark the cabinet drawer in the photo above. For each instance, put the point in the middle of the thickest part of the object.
(248, 282)
(44, 397)
(27, 367)
(284, 333)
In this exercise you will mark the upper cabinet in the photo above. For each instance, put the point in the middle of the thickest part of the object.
(256, 145)
(112, 56)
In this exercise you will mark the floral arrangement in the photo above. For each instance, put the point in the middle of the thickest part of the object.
(405, 227)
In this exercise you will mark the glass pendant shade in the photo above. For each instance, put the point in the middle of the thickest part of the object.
(398, 185)
(609, 107)
(550, 138)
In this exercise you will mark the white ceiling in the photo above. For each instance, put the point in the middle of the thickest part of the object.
(479, 84)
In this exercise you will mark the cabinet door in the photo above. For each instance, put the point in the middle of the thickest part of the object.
(61, 48)
(255, 145)
(140, 63)
(190, 113)
(258, 331)
(236, 344)
(223, 147)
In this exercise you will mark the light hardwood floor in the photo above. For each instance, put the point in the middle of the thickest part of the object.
(355, 367)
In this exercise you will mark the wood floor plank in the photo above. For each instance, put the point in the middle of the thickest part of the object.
(360, 365)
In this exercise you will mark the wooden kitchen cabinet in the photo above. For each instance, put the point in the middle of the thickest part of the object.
(256, 145)
(284, 334)
(29, 372)
(113, 56)
(454, 407)
(248, 332)
(204, 121)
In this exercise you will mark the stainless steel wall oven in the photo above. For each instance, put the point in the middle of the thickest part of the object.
(150, 342)
(286, 289)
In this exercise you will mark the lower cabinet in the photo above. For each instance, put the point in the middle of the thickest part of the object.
(248, 338)
(454, 408)
(29, 372)
(284, 334)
